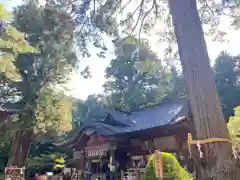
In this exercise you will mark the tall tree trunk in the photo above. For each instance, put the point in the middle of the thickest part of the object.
(204, 101)
(21, 145)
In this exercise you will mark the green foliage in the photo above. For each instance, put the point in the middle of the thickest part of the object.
(12, 42)
(6, 134)
(53, 113)
(79, 111)
(171, 168)
(44, 160)
(36, 162)
(4, 15)
(150, 171)
(52, 31)
(87, 109)
(234, 128)
(226, 71)
(94, 19)
(43, 107)
(226, 78)
(44, 110)
(234, 7)
(135, 77)
(179, 89)
(44, 155)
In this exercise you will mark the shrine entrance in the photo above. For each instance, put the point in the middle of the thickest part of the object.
(96, 159)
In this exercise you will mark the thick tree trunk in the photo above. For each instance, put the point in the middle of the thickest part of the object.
(21, 144)
(204, 101)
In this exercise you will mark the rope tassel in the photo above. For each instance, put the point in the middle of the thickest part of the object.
(199, 149)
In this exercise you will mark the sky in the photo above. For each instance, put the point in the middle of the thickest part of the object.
(81, 87)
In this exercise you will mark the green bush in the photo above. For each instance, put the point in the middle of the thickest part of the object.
(150, 170)
(171, 167)
(234, 128)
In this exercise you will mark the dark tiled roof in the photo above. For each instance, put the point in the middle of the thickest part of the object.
(161, 115)
(148, 118)
(152, 117)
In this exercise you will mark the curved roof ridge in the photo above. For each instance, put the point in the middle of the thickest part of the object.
(164, 114)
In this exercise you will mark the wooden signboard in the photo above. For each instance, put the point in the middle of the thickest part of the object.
(158, 164)
(96, 146)
(14, 173)
(168, 143)
(95, 153)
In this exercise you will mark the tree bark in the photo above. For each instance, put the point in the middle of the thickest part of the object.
(21, 145)
(207, 114)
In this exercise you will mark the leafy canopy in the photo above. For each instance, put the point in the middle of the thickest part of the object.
(136, 76)
(53, 113)
(12, 42)
(226, 72)
(43, 106)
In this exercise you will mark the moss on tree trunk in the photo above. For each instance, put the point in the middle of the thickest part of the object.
(204, 101)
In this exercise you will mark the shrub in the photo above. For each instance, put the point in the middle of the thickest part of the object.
(171, 167)
(150, 170)
(234, 128)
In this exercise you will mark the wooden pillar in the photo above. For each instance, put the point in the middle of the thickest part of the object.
(158, 164)
(87, 168)
(82, 164)
(112, 165)
(101, 165)
(137, 174)
(122, 175)
(88, 164)
(112, 156)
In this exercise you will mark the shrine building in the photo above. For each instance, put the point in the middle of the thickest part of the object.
(126, 139)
